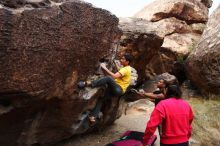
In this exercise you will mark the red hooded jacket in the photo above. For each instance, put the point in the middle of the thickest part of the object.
(176, 117)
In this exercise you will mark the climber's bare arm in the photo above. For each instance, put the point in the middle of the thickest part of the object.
(114, 75)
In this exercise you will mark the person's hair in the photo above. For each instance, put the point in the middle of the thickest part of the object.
(128, 57)
(173, 91)
(165, 83)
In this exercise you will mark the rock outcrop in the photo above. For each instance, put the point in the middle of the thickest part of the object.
(179, 25)
(188, 17)
(144, 40)
(203, 65)
(46, 47)
(207, 3)
(144, 44)
(191, 11)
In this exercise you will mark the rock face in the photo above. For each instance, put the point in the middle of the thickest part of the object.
(181, 43)
(191, 11)
(207, 3)
(188, 17)
(177, 23)
(143, 44)
(144, 40)
(203, 66)
(44, 51)
(28, 3)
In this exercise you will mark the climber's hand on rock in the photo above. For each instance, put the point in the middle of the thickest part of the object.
(141, 91)
(103, 66)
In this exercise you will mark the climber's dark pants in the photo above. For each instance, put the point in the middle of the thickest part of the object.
(113, 89)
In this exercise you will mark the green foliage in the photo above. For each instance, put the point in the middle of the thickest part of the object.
(181, 59)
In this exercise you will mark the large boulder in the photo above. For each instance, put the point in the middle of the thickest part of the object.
(207, 3)
(192, 11)
(156, 46)
(203, 63)
(44, 51)
(28, 3)
(144, 44)
(179, 37)
(179, 25)
(181, 44)
(183, 22)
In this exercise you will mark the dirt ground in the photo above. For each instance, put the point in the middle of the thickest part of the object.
(206, 126)
(136, 117)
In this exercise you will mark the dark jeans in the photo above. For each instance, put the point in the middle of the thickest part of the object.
(179, 144)
(113, 89)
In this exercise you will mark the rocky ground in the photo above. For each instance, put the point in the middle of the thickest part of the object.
(206, 128)
(135, 118)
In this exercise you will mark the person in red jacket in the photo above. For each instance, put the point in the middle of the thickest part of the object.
(176, 117)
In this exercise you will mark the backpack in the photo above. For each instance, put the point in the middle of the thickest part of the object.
(132, 138)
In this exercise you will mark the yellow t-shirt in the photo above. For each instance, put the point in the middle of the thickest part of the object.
(125, 80)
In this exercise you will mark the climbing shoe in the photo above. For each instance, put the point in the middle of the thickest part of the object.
(81, 84)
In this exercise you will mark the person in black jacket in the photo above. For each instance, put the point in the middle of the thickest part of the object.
(157, 95)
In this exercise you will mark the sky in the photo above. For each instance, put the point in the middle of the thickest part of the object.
(127, 8)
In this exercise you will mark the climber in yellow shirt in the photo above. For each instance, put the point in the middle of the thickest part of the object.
(117, 82)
